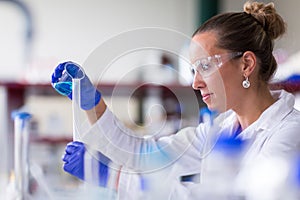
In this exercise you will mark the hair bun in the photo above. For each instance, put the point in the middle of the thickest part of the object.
(267, 16)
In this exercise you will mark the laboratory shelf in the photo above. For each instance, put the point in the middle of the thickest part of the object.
(51, 140)
(20, 89)
(17, 92)
(289, 86)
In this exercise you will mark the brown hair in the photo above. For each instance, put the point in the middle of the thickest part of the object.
(254, 30)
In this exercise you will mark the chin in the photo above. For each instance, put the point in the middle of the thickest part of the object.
(217, 108)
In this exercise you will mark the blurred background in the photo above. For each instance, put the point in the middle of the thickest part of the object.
(37, 35)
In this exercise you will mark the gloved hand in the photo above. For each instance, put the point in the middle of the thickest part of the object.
(74, 164)
(89, 95)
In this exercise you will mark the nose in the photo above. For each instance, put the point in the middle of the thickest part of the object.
(198, 81)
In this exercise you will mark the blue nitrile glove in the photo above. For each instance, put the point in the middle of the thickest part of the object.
(74, 163)
(89, 95)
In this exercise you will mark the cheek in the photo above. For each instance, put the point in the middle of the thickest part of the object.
(215, 84)
(225, 86)
(232, 87)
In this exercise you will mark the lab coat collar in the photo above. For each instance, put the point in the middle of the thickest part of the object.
(272, 115)
(276, 112)
(267, 120)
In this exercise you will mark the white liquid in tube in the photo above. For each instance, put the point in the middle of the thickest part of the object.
(76, 108)
(79, 125)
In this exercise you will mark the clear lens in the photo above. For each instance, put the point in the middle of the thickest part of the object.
(209, 65)
(206, 66)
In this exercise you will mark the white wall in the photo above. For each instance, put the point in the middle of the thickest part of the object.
(71, 29)
(288, 9)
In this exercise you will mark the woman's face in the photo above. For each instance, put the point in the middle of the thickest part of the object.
(220, 87)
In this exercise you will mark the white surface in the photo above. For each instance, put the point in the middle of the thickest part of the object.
(71, 30)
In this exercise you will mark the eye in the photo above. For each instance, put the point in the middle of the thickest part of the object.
(192, 71)
(204, 65)
(195, 67)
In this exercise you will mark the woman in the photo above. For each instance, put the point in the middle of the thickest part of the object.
(234, 49)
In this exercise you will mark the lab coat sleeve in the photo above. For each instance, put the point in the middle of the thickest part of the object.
(124, 147)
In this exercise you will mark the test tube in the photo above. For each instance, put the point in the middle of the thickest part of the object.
(76, 109)
(81, 125)
(70, 82)
(21, 162)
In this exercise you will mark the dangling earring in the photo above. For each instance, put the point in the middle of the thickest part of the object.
(246, 83)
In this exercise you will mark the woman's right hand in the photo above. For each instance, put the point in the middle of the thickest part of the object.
(62, 83)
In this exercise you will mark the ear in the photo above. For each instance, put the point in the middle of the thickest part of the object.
(249, 63)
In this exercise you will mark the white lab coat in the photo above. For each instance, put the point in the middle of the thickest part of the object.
(275, 133)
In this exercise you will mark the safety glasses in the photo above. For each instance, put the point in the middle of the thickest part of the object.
(207, 66)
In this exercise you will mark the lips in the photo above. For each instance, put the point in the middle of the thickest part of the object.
(206, 96)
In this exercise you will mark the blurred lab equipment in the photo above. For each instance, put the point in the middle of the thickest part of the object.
(265, 179)
(221, 158)
(21, 157)
(17, 45)
(29, 23)
(25, 53)
(292, 189)
(220, 170)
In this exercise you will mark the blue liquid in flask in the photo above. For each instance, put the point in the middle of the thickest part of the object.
(64, 88)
